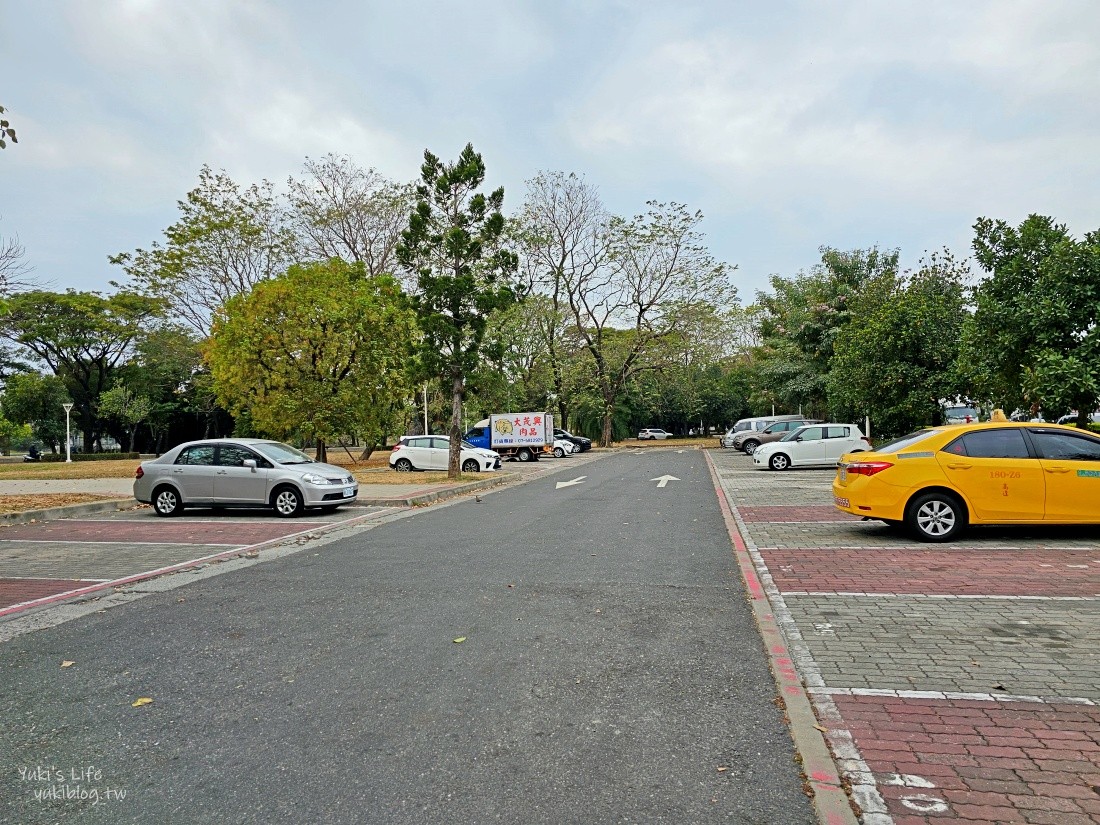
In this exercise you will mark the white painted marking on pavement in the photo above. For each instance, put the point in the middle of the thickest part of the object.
(663, 480)
(924, 803)
(907, 780)
(577, 480)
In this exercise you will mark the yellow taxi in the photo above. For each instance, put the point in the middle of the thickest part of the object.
(938, 481)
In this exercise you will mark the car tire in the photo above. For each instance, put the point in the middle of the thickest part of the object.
(749, 446)
(470, 466)
(403, 465)
(935, 517)
(559, 452)
(524, 455)
(287, 502)
(779, 461)
(166, 501)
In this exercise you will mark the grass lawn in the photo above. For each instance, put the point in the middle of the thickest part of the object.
(40, 501)
(373, 471)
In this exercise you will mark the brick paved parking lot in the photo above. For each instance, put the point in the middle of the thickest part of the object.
(958, 682)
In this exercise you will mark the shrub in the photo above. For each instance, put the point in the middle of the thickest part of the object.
(91, 456)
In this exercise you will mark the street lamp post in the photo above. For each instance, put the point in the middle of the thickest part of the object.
(68, 440)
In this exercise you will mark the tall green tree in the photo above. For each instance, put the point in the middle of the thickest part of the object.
(226, 241)
(319, 352)
(127, 408)
(82, 337)
(896, 361)
(1034, 338)
(464, 272)
(802, 319)
(36, 399)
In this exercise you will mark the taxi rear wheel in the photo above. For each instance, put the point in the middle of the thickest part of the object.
(935, 517)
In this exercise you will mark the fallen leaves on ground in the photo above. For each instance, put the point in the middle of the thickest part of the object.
(67, 664)
(40, 501)
(460, 640)
(144, 700)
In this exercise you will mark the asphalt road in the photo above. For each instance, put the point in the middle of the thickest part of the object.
(610, 672)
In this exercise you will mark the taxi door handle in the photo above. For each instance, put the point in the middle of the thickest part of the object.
(957, 466)
(1057, 469)
(222, 472)
(178, 471)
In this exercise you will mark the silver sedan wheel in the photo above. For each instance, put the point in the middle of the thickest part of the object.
(288, 502)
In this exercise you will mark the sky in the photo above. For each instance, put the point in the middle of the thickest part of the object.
(791, 124)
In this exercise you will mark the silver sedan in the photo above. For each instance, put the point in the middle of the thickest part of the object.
(241, 472)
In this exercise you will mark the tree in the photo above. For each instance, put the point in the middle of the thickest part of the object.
(165, 367)
(319, 352)
(1034, 338)
(225, 242)
(36, 399)
(896, 361)
(341, 211)
(802, 320)
(13, 268)
(6, 131)
(82, 337)
(562, 233)
(630, 310)
(121, 404)
(463, 272)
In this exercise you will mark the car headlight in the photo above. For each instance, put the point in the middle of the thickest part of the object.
(313, 478)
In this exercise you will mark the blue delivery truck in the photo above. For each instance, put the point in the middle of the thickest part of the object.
(523, 436)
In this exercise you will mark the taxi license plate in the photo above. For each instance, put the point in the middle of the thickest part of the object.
(349, 492)
(841, 502)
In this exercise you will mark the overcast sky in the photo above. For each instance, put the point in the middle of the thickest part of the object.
(791, 125)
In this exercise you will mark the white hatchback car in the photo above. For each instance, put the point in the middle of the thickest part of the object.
(652, 433)
(563, 448)
(815, 445)
(430, 452)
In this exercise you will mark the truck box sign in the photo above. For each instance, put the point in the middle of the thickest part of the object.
(522, 429)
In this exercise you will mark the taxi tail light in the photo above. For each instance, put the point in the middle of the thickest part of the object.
(140, 472)
(869, 468)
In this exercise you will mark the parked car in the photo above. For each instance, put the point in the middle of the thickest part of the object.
(579, 441)
(1072, 418)
(938, 481)
(432, 452)
(652, 433)
(814, 445)
(755, 424)
(749, 440)
(241, 472)
(562, 448)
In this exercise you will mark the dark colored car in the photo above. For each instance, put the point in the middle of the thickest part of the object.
(583, 444)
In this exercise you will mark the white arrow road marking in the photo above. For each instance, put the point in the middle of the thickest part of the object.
(663, 480)
(577, 480)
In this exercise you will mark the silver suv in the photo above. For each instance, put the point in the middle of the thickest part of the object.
(749, 440)
(241, 472)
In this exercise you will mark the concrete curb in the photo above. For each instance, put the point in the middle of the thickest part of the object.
(831, 802)
(428, 496)
(69, 511)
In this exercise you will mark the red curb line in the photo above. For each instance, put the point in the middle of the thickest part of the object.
(831, 803)
(149, 574)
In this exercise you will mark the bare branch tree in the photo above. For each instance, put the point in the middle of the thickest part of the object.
(14, 270)
(339, 210)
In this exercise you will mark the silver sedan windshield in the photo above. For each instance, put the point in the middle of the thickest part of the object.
(282, 453)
